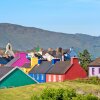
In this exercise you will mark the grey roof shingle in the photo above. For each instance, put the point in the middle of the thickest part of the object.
(95, 62)
(4, 71)
(42, 68)
(60, 67)
(26, 65)
(12, 61)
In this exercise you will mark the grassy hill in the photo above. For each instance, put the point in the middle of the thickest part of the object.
(26, 92)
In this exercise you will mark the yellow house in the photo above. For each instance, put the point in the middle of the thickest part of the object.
(28, 66)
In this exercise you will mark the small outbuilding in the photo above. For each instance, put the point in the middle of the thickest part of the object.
(14, 77)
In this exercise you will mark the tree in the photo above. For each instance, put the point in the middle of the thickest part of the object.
(85, 58)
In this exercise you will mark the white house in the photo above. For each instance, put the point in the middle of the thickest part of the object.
(94, 68)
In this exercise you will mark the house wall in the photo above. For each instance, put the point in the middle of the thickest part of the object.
(34, 61)
(75, 71)
(15, 79)
(41, 78)
(55, 78)
(26, 70)
(95, 73)
(21, 61)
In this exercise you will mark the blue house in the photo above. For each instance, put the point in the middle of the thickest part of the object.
(39, 71)
(70, 53)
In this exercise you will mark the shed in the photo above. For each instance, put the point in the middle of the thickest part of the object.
(14, 77)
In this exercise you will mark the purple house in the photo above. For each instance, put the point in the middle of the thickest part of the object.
(94, 68)
(19, 60)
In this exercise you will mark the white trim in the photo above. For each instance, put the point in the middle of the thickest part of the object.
(59, 78)
(7, 73)
(54, 78)
(49, 78)
(42, 77)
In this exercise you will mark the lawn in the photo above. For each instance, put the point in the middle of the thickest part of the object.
(25, 92)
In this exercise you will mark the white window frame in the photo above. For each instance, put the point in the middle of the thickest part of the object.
(42, 77)
(59, 77)
(54, 78)
(37, 76)
(49, 78)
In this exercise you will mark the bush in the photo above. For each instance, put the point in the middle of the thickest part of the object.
(85, 97)
(62, 94)
(91, 80)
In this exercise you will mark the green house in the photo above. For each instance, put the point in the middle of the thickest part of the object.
(14, 77)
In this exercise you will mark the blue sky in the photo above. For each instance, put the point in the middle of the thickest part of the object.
(68, 16)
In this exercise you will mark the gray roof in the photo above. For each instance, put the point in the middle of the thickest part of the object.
(42, 68)
(4, 71)
(12, 61)
(96, 62)
(60, 67)
(26, 65)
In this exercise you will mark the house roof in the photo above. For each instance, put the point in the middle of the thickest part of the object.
(26, 65)
(95, 62)
(52, 53)
(3, 60)
(44, 52)
(42, 68)
(60, 67)
(5, 71)
(12, 61)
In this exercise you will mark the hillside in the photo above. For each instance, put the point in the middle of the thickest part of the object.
(25, 38)
(26, 92)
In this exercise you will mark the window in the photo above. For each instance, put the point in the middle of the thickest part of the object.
(59, 77)
(99, 70)
(33, 75)
(37, 76)
(54, 78)
(49, 78)
(42, 77)
(93, 71)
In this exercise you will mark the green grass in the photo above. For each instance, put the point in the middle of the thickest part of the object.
(26, 92)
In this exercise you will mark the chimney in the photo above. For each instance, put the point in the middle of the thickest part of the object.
(34, 61)
(62, 57)
(39, 61)
(55, 60)
(74, 60)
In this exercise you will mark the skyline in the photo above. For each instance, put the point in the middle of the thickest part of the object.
(67, 16)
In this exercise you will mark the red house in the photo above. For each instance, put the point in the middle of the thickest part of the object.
(66, 70)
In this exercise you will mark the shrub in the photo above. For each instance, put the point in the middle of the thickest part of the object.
(62, 94)
(91, 80)
(85, 97)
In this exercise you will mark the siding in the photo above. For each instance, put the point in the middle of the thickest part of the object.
(74, 72)
(21, 61)
(55, 78)
(96, 71)
(41, 78)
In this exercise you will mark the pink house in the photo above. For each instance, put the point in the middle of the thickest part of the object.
(19, 60)
(94, 68)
